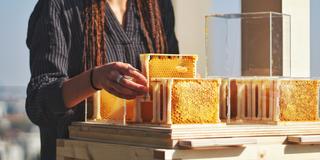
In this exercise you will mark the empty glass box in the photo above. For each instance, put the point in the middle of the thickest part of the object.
(248, 44)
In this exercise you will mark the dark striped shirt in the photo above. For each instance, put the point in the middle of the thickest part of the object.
(55, 39)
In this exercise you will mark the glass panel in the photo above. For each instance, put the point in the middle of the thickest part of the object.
(248, 44)
(107, 108)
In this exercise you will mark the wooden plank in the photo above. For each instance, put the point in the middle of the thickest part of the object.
(218, 142)
(165, 137)
(313, 139)
(250, 152)
(84, 150)
(266, 148)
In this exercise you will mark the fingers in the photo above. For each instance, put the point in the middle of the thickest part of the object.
(123, 80)
(127, 82)
(121, 91)
(124, 90)
(116, 93)
(127, 69)
(134, 86)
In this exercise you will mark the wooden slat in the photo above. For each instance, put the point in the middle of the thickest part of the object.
(166, 137)
(84, 150)
(313, 139)
(266, 148)
(218, 142)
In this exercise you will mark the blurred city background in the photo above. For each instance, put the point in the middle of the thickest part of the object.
(19, 138)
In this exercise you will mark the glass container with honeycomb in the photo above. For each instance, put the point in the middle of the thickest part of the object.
(273, 100)
(185, 101)
(110, 109)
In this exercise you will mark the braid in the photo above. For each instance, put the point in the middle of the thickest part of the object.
(94, 52)
(161, 38)
(151, 25)
(95, 36)
(145, 25)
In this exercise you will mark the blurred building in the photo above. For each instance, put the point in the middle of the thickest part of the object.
(11, 151)
(30, 143)
(19, 138)
(3, 109)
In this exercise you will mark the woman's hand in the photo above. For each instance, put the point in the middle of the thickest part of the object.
(120, 79)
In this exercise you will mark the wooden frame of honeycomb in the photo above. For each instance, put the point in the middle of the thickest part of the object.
(169, 65)
(183, 101)
(299, 100)
(163, 66)
(172, 101)
(271, 100)
(116, 110)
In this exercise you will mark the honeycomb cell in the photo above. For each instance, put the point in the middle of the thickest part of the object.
(299, 100)
(195, 101)
(169, 66)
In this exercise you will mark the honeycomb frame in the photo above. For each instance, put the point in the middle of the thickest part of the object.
(169, 65)
(166, 104)
(271, 100)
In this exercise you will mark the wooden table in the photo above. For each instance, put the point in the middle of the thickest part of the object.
(90, 141)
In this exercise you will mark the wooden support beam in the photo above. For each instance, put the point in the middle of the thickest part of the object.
(219, 142)
(312, 139)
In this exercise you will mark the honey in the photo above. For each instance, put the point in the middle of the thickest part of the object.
(195, 101)
(112, 108)
(168, 66)
(299, 100)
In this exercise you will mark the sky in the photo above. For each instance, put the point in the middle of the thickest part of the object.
(14, 55)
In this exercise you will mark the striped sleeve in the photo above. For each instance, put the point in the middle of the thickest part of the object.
(47, 42)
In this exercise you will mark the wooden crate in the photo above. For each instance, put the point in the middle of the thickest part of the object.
(264, 148)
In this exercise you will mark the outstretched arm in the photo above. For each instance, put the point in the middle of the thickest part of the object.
(105, 77)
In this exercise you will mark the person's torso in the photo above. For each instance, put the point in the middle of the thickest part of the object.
(123, 43)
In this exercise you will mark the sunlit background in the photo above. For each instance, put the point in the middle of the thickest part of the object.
(19, 139)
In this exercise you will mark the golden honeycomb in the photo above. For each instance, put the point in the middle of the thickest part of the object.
(299, 100)
(169, 66)
(112, 107)
(195, 101)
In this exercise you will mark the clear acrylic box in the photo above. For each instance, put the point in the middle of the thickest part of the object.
(248, 44)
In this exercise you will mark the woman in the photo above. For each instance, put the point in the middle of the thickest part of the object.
(80, 46)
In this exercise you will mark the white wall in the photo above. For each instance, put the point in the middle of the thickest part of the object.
(190, 27)
(300, 35)
(190, 24)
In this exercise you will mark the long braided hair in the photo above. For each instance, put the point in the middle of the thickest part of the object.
(95, 29)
